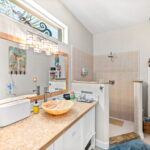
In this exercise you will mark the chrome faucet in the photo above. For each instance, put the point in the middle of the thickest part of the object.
(46, 92)
(37, 90)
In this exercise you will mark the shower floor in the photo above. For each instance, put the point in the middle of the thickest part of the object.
(115, 130)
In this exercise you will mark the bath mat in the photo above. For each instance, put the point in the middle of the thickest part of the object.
(123, 138)
(116, 122)
(131, 145)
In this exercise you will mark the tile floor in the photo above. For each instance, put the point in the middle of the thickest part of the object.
(114, 130)
(146, 140)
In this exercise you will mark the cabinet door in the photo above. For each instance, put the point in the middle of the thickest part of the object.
(50, 147)
(72, 138)
(88, 126)
(58, 145)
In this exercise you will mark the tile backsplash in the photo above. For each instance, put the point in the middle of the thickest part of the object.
(81, 59)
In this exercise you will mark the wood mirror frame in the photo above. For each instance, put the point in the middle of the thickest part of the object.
(40, 97)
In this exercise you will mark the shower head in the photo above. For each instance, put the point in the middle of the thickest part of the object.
(111, 56)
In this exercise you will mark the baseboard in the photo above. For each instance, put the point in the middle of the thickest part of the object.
(141, 135)
(103, 145)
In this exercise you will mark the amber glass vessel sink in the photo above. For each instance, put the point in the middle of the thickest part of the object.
(57, 107)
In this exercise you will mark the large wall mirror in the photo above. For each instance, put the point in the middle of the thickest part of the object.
(24, 70)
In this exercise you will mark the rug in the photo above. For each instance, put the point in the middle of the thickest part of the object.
(131, 145)
(123, 138)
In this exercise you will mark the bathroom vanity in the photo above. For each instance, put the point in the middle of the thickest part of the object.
(71, 131)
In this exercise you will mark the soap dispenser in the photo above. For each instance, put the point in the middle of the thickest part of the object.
(36, 107)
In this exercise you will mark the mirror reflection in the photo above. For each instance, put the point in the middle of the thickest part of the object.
(26, 72)
(57, 74)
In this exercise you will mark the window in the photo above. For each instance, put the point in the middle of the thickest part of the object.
(27, 12)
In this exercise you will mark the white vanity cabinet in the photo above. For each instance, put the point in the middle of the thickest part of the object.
(50, 147)
(88, 127)
(77, 136)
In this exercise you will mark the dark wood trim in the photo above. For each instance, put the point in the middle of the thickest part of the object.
(11, 38)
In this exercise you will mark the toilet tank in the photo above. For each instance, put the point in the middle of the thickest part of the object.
(13, 110)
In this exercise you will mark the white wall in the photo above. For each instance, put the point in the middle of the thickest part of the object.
(78, 35)
(135, 38)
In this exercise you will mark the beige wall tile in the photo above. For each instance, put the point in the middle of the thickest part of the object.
(81, 59)
(123, 69)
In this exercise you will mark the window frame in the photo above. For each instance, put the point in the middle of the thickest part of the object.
(36, 10)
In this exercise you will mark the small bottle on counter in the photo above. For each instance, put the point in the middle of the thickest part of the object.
(36, 107)
(72, 95)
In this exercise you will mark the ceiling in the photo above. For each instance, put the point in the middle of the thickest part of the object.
(106, 15)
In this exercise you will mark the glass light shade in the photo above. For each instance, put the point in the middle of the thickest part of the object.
(22, 46)
(40, 45)
(37, 50)
(45, 44)
(55, 48)
(48, 52)
(29, 39)
(34, 41)
(36, 44)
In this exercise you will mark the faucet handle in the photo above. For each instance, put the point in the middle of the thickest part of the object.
(46, 90)
(38, 90)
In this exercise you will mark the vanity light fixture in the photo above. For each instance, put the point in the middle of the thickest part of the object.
(39, 43)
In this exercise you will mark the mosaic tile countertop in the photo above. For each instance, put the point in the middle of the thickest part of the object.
(40, 130)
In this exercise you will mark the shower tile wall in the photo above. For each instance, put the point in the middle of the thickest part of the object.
(123, 69)
(81, 59)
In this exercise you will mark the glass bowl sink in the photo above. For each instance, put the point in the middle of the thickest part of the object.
(57, 107)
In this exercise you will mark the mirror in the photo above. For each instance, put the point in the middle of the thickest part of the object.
(57, 74)
(22, 71)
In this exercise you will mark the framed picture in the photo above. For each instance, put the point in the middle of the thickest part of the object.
(17, 60)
